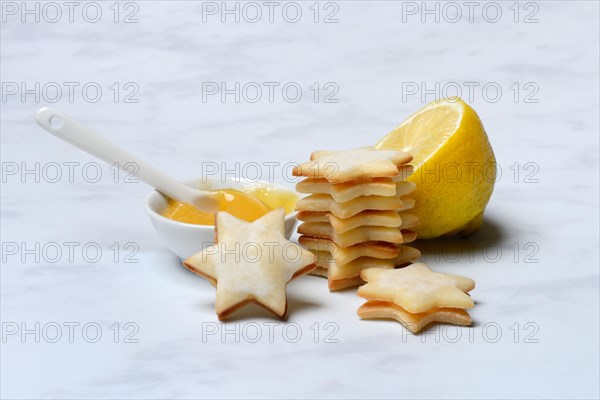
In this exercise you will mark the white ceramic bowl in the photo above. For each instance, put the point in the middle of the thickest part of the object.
(187, 239)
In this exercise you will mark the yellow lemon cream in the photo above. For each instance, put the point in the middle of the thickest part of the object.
(248, 203)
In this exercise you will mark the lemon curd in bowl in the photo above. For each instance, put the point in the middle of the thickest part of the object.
(248, 203)
(186, 230)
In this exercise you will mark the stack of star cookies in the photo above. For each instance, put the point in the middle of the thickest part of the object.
(415, 296)
(355, 216)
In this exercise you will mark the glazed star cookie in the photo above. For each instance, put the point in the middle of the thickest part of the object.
(386, 218)
(251, 262)
(325, 203)
(415, 296)
(342, 266)
(353, 165)
(343, 192)
(354, 236)
(344, 255)
(413, 322)
(416, 288)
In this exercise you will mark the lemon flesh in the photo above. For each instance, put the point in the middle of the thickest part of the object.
(455, 167)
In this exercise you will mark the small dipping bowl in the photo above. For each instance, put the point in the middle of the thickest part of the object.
(185, 239)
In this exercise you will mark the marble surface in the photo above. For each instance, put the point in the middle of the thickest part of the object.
(536, 332)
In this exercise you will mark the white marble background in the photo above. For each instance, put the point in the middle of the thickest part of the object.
(546, 311)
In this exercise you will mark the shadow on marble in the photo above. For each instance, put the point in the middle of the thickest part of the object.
(491, 234)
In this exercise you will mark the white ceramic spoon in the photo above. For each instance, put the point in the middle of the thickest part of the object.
(71, 131)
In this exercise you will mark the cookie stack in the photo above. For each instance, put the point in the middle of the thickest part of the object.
(355, 216)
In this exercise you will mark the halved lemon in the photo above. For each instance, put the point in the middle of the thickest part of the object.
(455, 167)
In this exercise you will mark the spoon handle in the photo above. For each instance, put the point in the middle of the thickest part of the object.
(66, 128)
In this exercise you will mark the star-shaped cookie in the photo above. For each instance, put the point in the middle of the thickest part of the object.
(353, 165)
(416, 288)
(325, 203)
(251, 262)
(413, 322)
